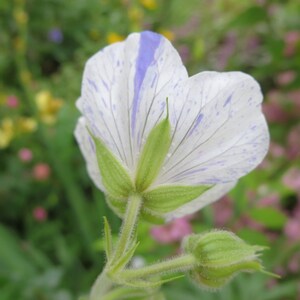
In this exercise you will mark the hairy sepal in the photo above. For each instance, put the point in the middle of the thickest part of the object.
(115, 178)
(165, 199)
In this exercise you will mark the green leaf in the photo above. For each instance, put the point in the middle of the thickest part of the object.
(13, 258)
(153, 154)
(268, 216)
(108, 239)
(253, 237)
(115, 178)
(164, 199)
(249, 17)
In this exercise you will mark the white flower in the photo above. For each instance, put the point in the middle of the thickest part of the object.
(218, 132)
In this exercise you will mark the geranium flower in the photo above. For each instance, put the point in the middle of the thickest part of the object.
(217, 130)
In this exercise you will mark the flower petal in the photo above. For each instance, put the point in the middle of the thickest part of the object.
(88, 150)
(219, 132)
(124, 91)
(211, 195)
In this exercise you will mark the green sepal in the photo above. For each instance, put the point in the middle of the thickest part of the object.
(216, 278)
(164, 199)
(108, 239)
(115, 178)
(153, 155)
(151, 216)
(124, 260)
(118, 205)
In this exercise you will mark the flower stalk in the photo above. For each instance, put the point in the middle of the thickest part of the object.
(177, 264)
(101, 287)
(129, 225)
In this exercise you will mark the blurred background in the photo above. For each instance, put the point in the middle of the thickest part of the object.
(51, 213)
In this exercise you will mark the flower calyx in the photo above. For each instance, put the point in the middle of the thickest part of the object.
(221, 255)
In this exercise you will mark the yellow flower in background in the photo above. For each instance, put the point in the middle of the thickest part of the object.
(135, 14)
(19, 44)
(25, 76)
(167, 34)
(149, 4)
(3, 98)
(48, 106)
(6, 132)
(113, 37)
(94, 34)
(26, 124)
(20, 16)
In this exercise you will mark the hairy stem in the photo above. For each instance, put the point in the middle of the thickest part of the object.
(180, 263)
(129, 225)
(101, 287)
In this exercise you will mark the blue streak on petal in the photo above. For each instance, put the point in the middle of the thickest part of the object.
(198, 120)
(149, 42)
(93, 84)
(228, 100)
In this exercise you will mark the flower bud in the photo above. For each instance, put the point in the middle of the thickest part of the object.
(220, 256)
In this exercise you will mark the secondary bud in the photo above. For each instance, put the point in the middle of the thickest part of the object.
(220, 256)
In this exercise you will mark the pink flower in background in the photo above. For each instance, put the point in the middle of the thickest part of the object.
(40, 214)
(285, 78)
(187, 29)
(292, 179)
(292, 229)
(291, 40)
(273, 109)
(223, 210)
(25, 154)
(294, 96)
(12, 101)
(293, 143)
(172, 232)
(184, 52)
(246, 221)
(270, 200)
(226, 51)
(294, 263)
(276, 150)
(41, 171)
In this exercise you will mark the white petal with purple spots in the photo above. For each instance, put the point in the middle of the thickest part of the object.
(219, 132)
(87, 148)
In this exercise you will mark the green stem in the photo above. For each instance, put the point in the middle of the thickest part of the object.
(180, 263)
(129, 224)
(101, 287)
